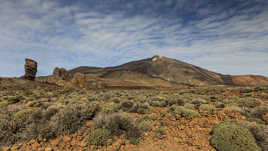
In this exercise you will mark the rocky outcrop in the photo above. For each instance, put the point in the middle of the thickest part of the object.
(61, 74)
(30, 69)
(63, 78)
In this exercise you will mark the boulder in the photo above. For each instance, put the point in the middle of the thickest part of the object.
(30, 69)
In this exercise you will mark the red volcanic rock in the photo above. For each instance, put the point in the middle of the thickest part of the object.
(30, 69)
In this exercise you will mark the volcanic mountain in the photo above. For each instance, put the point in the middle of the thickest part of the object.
(160, 71)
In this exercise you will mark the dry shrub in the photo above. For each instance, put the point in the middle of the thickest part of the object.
(117, 123)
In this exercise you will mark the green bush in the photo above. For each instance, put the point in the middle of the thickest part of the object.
(141, 108)
(229, 100)
(117, 123)
(233, 109)
(230, 137)
(19, 127)
(259, 111)
(89, 110)
(23, 115)
(99, 137)
(189, 106)
(257, 120)
(179, 102)
(207, 107)
(86, 110)
(248, 102)
(134, 141)
(49, 112)
(30, 131)
(142, 111)
(110, 108)
(160, 131)
(66, 121)
(152, 117)
(46, 132)
(183, 112)
(164, 112)
(220, 105)
(7, 136)
(198, 102)
(145, 126)
(159, 103)
(260, 133)
(127, 105)
(163, 122)
(130, 106)
(138, 107)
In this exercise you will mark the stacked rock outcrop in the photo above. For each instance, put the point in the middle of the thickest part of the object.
(30, 69)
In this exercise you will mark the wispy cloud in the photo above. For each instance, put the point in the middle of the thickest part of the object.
(228, 37)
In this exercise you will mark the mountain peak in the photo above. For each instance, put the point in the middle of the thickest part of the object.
(156, 58)
(163, 72)
(160, 58)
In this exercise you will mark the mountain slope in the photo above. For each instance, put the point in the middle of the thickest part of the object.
(154, 72)
(249, 80)
(164, 68)
(163, 72)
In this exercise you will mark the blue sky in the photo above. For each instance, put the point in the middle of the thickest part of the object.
(225, 36)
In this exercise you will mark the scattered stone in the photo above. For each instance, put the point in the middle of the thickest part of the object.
(30, 69)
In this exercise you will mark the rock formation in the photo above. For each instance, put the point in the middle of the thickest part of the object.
(61, 74)
(62, 77)
(30, 69)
